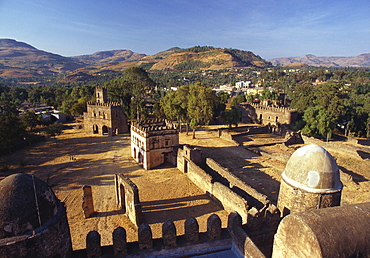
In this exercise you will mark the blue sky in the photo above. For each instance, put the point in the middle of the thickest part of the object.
(269, 28)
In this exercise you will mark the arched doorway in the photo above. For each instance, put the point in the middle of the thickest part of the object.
(105, 129)
(122, 198)
(186, 166)
(134, 153)
(95, 129)
(141, 158)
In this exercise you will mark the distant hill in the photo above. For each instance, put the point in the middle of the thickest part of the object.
(109, 57)
(19, 59)
(356, 61)
(209, 58)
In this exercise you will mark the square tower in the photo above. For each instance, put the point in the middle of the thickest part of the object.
(101, 94)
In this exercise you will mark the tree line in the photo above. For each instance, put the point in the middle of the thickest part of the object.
(326, 99)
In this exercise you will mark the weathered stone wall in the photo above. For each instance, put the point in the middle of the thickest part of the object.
(242, 243)
(262, 199)
(357, 152)
(293, 200)
(52, 239)
(105, 118)
(232, 240)
(127, 196)
(332, 232)
(267, 115)
(226, 135)
(230, 200)
(227, 191)
(154, 143)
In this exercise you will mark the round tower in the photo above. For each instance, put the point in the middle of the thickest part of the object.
(33, 222)
(311, 180)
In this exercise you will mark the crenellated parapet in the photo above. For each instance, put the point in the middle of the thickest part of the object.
(170, 244)
(105, 104)
(151, 127)
(268, 108)
(267, 115)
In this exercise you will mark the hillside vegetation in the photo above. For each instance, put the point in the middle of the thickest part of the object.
(328, 61)
(21, 59)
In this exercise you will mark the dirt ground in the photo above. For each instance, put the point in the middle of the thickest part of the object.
(76, 159)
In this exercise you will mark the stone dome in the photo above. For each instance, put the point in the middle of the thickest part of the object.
(20, 211)
(313, 169)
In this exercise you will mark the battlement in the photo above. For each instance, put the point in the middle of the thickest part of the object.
(267, 115)
(105, 104)
(150, 127)
(268, 108)
(193, 242)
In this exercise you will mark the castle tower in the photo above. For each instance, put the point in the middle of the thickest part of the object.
(101, 95)
(33, 222)
(310, 181)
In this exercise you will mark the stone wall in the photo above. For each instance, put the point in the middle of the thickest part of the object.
(357, 152)
(105, 118)
(332, 232)
(154, 142)
(231, 193)
(226, 135)
(253, 197)
(52, 239)
(228, 240)
(127, 197)
(267, 115)
(296, 200)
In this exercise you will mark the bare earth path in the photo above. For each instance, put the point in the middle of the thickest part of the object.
(77, 159)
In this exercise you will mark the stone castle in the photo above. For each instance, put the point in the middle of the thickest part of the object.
(104, 117)
(306, 221)
(267, 115)
(153, 142)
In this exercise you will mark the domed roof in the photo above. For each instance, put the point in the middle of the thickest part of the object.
(313, 169)
(20, 211)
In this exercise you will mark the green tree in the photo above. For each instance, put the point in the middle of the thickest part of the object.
(175, 106)
(53, 130)
(231, 117)
(303, 97)
(132, 91)
(238, 99)
(29, 120)
(11, 128)
(318, 122)
(201, 103)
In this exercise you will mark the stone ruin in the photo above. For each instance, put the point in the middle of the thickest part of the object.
(305, 224)
(154, 142)
(103, 117)
(277, 119)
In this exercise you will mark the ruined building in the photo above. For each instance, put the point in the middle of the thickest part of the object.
(153, 142)
(104, 117)
(267, 115)
(308, 222)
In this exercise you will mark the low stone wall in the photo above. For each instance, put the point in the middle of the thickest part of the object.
(353, 151)
(230, 201)
(226, 135)
(236, 182)
(191, 243)
(199, 177)
(127, 196)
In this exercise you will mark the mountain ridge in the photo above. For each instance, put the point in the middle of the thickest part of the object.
(19, 59)
(362, 60)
